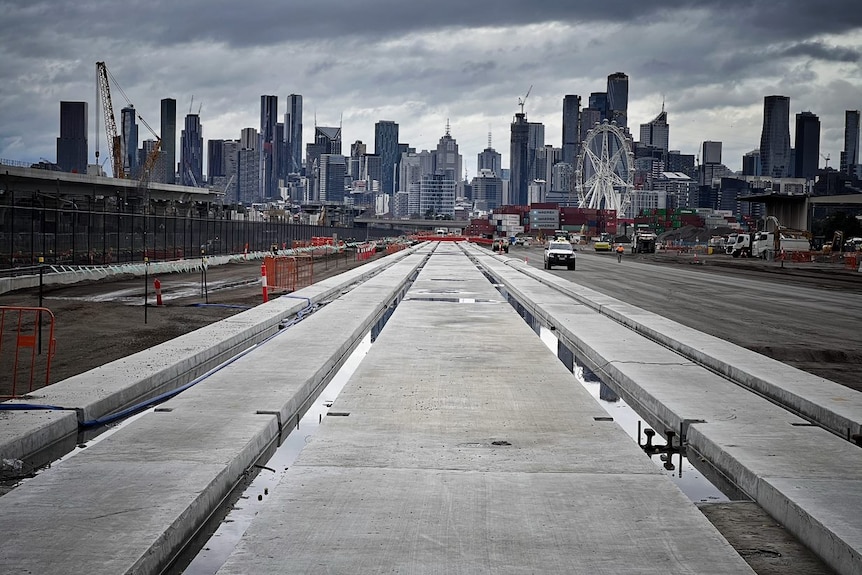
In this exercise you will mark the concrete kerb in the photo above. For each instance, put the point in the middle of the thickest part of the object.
(116, 385)
(834, 406)
(827, 525)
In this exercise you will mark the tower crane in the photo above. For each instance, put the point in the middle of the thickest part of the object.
(522, 102)
(827, 158)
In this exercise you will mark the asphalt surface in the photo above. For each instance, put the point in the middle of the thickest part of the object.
(805, 315)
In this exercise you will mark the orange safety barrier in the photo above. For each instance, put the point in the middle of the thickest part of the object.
(851, 262)
(17, 336)
(393, 248)
(288, 273)
(365, 251)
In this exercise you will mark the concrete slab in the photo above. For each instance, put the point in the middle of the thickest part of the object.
(407, 477)
(369, 520)
(775, 456)
(114, 386)
(130, 502)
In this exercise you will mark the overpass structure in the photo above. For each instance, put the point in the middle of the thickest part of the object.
(71, 187)
(461, 443)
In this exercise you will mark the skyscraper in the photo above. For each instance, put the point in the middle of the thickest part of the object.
(571, 127)
(447, 160)
(618, 99)
(599, 101)
(192, 152)
(589, 118)
(129, 142)
(248, 167)
(168, 157)
(850, 153)
(656, 133)
(327, 140)
(807, 145)
(293, 134)
(775, 137)
(72, 147)
(386, 146)
(332, 172)
(490, 159)
(518, 164)
(535, 142)
(268, 146)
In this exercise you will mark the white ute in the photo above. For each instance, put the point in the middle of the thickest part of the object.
(559, 253)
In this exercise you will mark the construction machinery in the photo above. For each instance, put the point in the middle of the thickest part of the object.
(103, 96)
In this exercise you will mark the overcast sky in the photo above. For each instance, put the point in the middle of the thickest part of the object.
(421, 64)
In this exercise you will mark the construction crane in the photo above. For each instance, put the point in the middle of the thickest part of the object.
(524, 101)
(827, 158)
(103, 95)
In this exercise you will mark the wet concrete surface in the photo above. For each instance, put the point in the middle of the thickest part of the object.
(91, 333)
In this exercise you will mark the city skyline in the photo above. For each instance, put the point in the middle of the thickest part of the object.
(469, 66)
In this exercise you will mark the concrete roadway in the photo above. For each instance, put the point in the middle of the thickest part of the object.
(787, 318)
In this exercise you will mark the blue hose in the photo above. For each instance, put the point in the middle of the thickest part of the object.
(32, 407)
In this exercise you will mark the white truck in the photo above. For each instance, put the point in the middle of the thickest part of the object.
(762, 244)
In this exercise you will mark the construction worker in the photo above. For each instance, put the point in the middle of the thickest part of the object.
(620, 250)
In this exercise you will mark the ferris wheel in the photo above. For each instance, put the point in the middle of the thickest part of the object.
(605, 170)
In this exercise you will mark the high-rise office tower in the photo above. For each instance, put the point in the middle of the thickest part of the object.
(618, 99)
(356, 164)
(518, 161)
(589, 118)
(850, 153)
(599, 101)
(248, 167)
(447, 160)
(215, 159)
(268, 149)
(192, 152)
(807, 145)
(72, 144)
(327, 140)
(230, 159)
(571, 127)
(751, 163)
(168, 156)
(535, 142)
(490, 159)
(711, 153)
(775, 137)
(332, 172)
(656, 133)
(129, 142)
(293, 134)
(386, 146)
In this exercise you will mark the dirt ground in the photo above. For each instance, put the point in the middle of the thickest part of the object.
(90, 331)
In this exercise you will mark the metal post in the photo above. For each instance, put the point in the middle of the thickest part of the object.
(146, 283)
(39, 313)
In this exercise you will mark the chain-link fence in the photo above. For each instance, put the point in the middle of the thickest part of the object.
(79, 237)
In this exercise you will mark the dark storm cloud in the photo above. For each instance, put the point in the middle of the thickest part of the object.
(366, 60)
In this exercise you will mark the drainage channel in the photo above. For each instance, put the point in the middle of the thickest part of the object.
(696, 478)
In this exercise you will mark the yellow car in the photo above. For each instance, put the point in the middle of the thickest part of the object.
(601, 246)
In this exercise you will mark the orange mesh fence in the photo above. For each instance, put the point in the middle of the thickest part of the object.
(23, 365)
(851, 261)
(289, 273)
